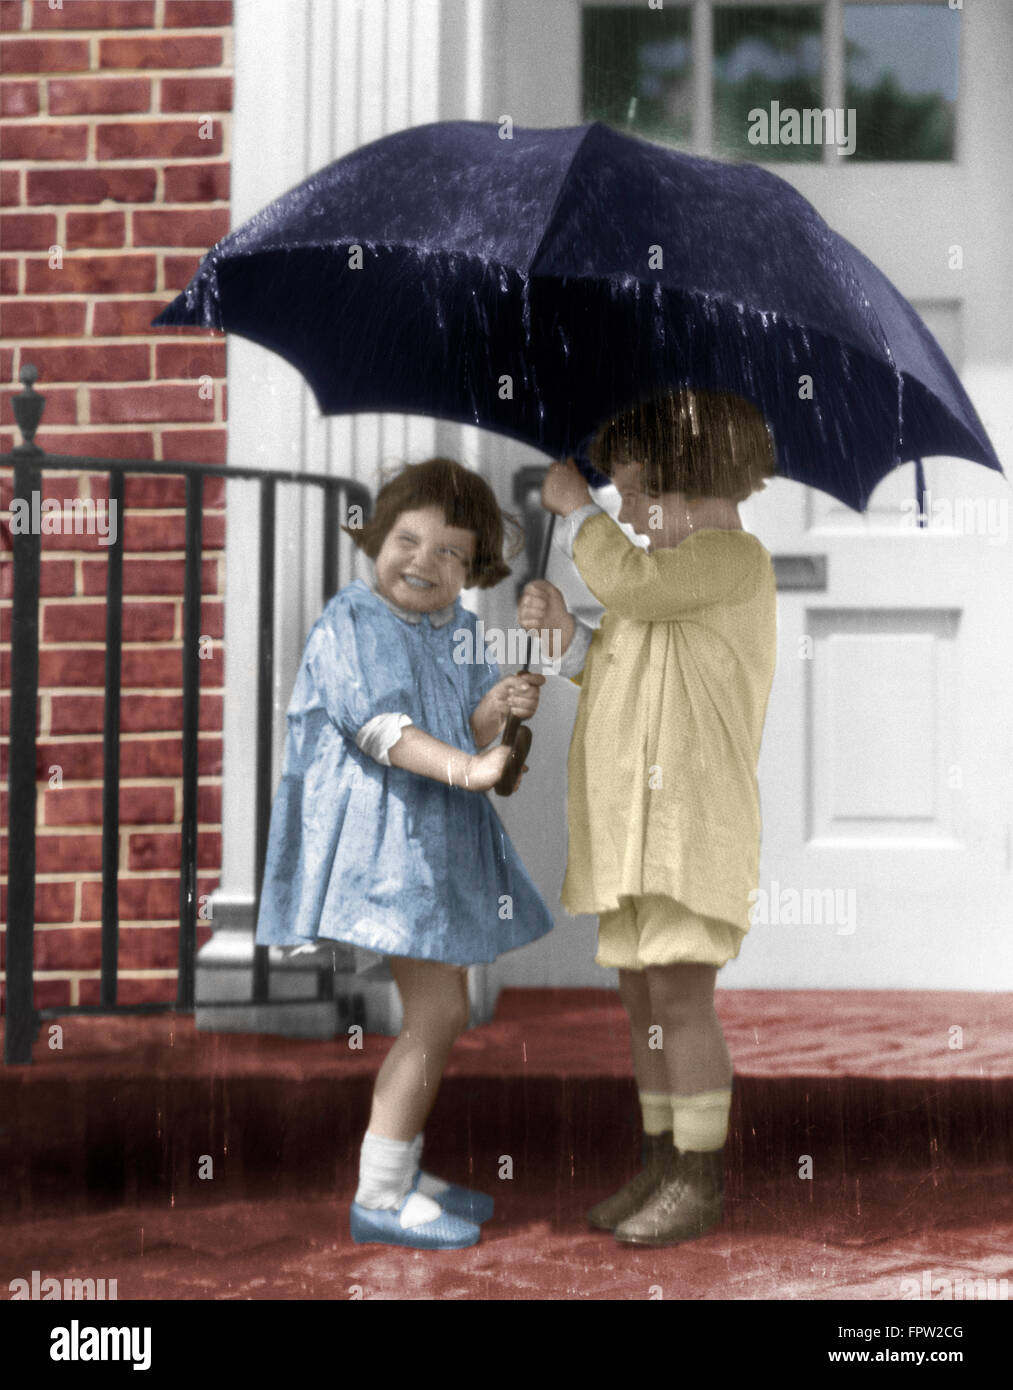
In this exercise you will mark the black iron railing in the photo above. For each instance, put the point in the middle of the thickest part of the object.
(28, 462)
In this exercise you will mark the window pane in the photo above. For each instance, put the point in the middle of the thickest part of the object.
(902, 79)
(637, 71)
(762, 55)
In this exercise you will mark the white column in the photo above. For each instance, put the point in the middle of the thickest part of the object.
(313, 81)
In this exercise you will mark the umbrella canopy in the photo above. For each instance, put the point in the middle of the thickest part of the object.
(536, 285)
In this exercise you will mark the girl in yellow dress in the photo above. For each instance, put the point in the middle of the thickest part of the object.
(663, 803)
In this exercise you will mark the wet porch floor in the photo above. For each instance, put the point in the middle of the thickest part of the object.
(909, 1141)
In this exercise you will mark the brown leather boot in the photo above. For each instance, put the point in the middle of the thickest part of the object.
(658, 1156)
(684, 1206)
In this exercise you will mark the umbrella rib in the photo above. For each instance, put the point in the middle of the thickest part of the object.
(560, 192)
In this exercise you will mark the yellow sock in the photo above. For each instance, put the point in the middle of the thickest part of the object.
(657, 1111)
(700, 1122)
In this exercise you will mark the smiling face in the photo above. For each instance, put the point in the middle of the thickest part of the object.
(423, 563)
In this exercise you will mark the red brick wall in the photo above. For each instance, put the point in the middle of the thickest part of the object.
(115, 137)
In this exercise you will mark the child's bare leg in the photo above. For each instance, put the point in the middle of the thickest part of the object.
(649, 1066)
(434, 997)
(694, 1049)
(655, 1105)
(392, 1205)
(688, 1200)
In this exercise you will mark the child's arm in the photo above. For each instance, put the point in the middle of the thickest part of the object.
(649, 586)
(346, 671)
(418, 752)
(542, 608)
(426, 756)
(395, 741)
(486, 722)
(575, 656)
(663, 585)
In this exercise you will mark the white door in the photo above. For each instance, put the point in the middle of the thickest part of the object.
(884, 772)
(885, 769)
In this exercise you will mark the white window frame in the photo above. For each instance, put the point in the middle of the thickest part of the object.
(832, 80)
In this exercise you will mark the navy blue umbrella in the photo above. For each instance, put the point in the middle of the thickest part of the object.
(536, 285)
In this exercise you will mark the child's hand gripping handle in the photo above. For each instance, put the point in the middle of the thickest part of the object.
(516, 733)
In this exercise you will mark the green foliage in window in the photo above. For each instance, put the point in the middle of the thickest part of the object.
(762, 55)
(637, 70)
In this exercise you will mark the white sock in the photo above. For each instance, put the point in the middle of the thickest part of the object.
(419, 1210)
(428, 1185)
(700, 1121)
(386, 1170)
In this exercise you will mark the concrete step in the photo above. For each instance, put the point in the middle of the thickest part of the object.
(314, 991)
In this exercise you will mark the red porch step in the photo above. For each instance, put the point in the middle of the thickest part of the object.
(863, 1082)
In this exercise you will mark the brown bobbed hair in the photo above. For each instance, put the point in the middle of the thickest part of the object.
(466, 500)
(699, 443)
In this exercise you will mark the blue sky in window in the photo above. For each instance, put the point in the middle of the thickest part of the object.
(753, 55)
(658, 59)
(662, 54)
(919, 44)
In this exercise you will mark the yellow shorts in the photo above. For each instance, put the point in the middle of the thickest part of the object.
(655, 930)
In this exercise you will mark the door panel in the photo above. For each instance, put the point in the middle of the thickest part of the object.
(885, 768)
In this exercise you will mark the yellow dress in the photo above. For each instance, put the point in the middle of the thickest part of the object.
(662, 795)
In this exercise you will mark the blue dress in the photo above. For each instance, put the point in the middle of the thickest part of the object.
(378, 856)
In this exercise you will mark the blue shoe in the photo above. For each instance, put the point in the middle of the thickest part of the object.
(446, 1232)
(462, 1201)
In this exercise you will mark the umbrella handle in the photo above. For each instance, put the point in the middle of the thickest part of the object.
(516, 733)
(518, 736)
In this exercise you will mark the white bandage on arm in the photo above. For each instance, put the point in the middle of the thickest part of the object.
(571, 663)
(379, 734)
(564, 533)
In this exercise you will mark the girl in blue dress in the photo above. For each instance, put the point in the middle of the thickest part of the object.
(381, 834)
